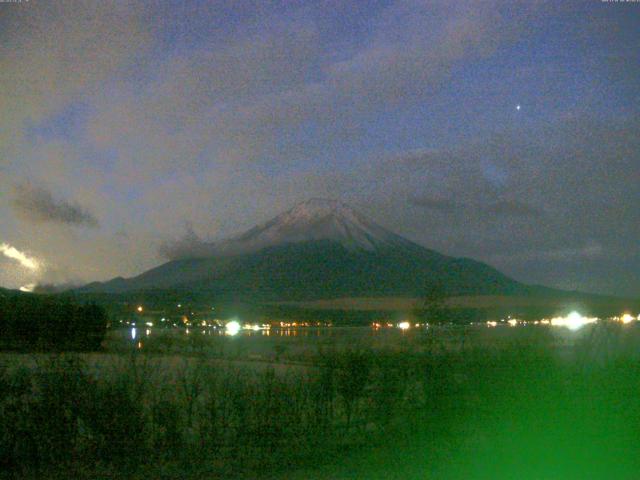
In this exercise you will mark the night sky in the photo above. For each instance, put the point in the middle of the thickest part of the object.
(505, 131)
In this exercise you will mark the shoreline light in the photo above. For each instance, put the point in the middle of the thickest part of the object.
(627, 318)
(232, 328)
(574, 321)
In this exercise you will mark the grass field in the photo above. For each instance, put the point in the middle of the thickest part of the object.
(530, 402)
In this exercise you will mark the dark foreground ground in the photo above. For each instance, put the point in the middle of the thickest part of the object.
(523, 410)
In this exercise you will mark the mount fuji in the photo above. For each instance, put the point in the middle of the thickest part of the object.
(319, 249)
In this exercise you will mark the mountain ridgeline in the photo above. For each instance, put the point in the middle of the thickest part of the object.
(317, 250)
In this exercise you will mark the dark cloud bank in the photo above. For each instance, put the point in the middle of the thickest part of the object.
(37, 204)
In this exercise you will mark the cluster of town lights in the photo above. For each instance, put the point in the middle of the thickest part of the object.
(574, 321)
(233, 327)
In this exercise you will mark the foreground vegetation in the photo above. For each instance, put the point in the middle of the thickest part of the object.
(31, 322)
(471, 412)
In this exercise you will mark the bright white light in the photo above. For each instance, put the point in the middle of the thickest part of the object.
(232, 328)
(573, 321)
(149, 324)
(626, 318)
(492, 324)
(139, 308)
(15, 254)
(513, 322)
(404, 325)
(518, 107)
(29, 287)
(133, 333)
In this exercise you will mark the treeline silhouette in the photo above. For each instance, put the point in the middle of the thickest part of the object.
(49, 323)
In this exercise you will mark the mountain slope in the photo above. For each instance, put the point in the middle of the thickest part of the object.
(318, 249)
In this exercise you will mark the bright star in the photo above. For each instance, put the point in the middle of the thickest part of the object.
(518, 107)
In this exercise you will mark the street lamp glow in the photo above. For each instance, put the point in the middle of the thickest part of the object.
(626, 318)
(232, 328)
(404, 325)
(573, 321)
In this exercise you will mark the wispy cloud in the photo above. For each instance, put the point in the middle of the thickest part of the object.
(514, 208)
(21, 257)
(501, 207)
(37, 204)
(189, 246)
(29, 287)
(440, 204)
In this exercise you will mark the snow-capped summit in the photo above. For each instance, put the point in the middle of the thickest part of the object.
(324, 249)
(312, 220)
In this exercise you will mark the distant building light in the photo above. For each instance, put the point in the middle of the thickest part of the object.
(232, 328)
(626, 318)
(573, 321)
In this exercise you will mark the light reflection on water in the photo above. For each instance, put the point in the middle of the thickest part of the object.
(134, 334)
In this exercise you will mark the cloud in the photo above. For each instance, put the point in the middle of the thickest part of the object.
(37, 204)
(189, 246)
(514, 208)
(580, 251)
(488, 208)
(223, 120)
(589, 250)
(29, 287)
(22, 258)
(440, 204)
